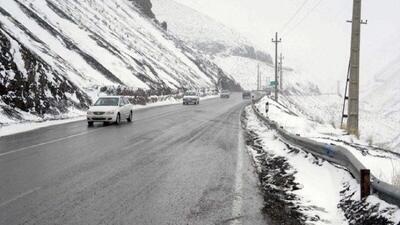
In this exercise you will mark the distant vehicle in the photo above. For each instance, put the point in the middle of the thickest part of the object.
(110, 109)
(191, 97)
(246, 95)
(225, 94)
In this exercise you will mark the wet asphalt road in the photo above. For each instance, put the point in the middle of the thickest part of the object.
(173, 165)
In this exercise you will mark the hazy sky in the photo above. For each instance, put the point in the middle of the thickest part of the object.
(317, 40)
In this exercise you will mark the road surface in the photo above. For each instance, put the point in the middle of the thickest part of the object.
(173, 165)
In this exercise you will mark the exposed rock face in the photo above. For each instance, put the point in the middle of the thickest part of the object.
(251, 53)
(56, 53)
(145, 7)
(31, 85)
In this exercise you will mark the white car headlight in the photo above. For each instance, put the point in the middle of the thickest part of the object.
(110, 113)
(89, 112)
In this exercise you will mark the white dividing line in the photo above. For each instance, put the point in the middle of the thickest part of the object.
(237, 201)
(45, 143)
(18, 197)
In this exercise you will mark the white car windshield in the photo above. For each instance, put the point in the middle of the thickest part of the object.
(107, 102)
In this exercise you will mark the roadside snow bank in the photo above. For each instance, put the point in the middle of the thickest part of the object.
(324, 193)
(319, 181)
(383, 164)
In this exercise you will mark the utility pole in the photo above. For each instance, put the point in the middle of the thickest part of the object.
(353, 80)
(276, 41)
(281, 72)
(258, 77)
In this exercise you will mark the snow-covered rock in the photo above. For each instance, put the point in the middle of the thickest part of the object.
(75, 47)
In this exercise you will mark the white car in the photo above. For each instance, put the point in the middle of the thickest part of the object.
(110, 109)
(191, 97)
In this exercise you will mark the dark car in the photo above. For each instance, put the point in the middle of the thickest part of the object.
(246, 95)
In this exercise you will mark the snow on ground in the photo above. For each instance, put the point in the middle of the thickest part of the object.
(326, 190)
(34, 123)
(382, 126)
(128, 43)
(384, 165)
(187, 23)
(244, 70)
(15, 128)
(321, 184)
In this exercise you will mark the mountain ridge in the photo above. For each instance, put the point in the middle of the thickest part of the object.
(89, 45)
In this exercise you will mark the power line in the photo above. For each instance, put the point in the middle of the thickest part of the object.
(304, 18)
(294, 15)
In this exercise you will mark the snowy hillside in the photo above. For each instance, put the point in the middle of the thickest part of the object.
(381, 104)
(204, 33)
(58, 53)
(380, 101)
(187, 23)
(244, 70)
(227, 48)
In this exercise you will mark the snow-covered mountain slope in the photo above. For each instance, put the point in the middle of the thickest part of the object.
(383, 93)
(30, 84)
(204, 33)
(56, 52)
(381, 102)
(244, 70)
(227, 48)
(187, 23)
(379, 117)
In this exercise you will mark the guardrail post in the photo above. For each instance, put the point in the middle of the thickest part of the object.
(365, 183)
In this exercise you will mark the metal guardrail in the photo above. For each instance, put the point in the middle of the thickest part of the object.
(338, 155)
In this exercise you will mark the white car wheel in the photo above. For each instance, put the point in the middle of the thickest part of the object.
(130, 117)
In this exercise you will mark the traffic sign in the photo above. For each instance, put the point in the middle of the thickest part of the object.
(273, 83)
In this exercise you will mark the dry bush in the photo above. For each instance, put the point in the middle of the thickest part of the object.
(395, 175)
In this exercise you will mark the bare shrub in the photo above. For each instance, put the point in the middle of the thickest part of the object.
(395, 175)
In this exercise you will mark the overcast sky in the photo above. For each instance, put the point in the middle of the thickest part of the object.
(317, 40)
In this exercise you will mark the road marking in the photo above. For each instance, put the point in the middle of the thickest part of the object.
(45, 143)
(237, 201)
(18, 197)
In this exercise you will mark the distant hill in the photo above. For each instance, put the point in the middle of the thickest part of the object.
(204, 33)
